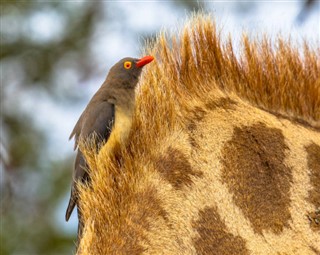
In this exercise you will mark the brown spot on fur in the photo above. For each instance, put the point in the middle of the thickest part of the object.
(255, 172)
(129, 229)
(148, 208)
(224, 103)
(128, 244)
(313, 158)
(314, 219)
(193, 142)
(192, 127)
(316, 251)
(197, 115)
(214, 236)
(176, 169)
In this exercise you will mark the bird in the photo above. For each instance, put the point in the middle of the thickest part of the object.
(304, 12)
(106, 117)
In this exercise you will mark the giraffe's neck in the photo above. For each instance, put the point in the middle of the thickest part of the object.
(224, 166)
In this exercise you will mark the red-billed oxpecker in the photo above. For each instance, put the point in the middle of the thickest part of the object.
(105, 117)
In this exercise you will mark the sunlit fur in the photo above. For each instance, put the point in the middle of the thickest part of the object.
(174, 186)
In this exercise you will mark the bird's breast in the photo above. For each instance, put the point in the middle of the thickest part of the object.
(120, 130)
(122, 125)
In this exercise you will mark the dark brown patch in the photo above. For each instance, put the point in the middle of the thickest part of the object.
(192, 126)
(315, 250)
(313, 158)
(148, 209)
(193, 142)
(214, 237)
(176, 169)
(129, 243)
(314, 219)
(128, 230)
(197, 115)
(224, 103)
(256, 174)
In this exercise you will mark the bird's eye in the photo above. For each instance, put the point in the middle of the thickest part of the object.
(127, 65)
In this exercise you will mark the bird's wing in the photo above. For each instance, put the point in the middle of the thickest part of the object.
(97, 117)
(99, 120)
(76, 131)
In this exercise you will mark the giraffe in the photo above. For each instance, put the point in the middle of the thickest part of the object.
(223, 156)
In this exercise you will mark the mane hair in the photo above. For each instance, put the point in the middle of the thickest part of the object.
(189, 68)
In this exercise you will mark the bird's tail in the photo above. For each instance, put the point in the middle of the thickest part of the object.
(71, 205)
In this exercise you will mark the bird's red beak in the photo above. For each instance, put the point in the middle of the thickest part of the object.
(143, 61)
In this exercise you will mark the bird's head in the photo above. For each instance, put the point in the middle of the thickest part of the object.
(126, 72)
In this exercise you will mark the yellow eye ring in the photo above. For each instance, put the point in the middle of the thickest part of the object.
(127, 65)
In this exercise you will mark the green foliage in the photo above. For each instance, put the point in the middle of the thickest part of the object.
(33, 184)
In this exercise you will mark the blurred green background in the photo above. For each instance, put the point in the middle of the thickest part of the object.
(54, 55)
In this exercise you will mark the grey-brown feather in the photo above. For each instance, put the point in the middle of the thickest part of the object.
(99, 122)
